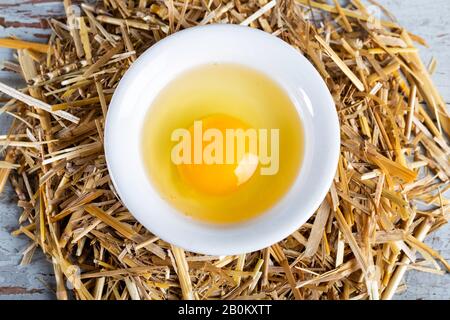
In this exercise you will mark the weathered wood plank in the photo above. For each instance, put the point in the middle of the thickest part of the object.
(430, 20)
(27, 20)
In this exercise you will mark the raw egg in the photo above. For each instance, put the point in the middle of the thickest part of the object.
(222, 143)
(219, 178)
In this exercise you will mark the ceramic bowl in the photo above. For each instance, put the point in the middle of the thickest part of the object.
(196, 46)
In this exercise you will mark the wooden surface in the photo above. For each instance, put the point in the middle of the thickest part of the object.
(26, 19)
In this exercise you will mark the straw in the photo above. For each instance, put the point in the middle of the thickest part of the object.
(366, 234)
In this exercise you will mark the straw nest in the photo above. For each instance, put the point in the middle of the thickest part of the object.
(358, 245)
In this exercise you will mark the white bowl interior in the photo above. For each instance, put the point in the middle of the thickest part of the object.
(221, 44)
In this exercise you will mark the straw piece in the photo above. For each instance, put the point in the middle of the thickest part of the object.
(281, 259)
(341, 64)
(103, 60)
(392, 50)
(81, 103)
(4, 172)
(84, 38)
(20, 44)
(420, 245)
(101, 96)
(404, 262)
(411, 107)
(317, 230)
(8, 165)
(217, 13)
(32, 102)
(268, 6)
(127, 22)
(345, 22)
(391, 68)
(239, 267)
(120, 227)
(73, 23)
(346, 231)
(183, 273)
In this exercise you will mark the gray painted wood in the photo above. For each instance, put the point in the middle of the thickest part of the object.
(24, 19)
(430, 20)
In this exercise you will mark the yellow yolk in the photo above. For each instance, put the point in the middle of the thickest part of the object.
(223, 178)
(222, 96)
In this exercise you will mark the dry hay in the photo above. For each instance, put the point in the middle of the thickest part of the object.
(367, 232)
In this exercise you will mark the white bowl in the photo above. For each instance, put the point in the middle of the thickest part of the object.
(223, 44)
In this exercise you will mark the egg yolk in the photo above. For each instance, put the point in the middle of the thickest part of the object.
(220, 178)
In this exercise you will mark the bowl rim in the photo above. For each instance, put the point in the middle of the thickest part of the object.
(311, 95)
